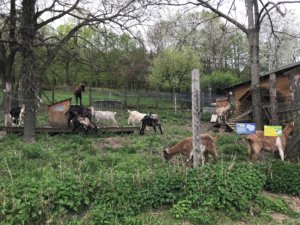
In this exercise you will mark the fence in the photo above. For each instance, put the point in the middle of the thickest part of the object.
(150, 99)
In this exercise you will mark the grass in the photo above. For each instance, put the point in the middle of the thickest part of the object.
(40, 168)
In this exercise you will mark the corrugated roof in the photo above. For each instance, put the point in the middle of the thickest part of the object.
(282, 70)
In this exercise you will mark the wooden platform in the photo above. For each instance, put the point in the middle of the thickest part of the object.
(56, 130)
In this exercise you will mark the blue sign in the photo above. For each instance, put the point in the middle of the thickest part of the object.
(246, 128)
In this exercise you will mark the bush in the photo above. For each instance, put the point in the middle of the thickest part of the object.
(218, 80)
(205, 116)
(283, 177)
(240, 151)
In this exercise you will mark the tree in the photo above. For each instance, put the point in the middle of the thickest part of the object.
(219, 45)
(257, 11)
(119, 15)
(171, 69)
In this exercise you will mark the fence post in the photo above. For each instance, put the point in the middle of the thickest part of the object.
(138, 102)
(197, 150)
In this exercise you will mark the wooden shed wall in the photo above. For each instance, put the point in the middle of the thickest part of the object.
(282, 87)
(57, 112)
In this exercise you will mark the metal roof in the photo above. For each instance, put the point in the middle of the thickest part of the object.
(280, 70)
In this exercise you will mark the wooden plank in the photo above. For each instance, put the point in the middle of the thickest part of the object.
(127, 129)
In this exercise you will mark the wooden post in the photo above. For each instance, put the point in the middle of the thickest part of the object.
(197, 151)
(273, 101)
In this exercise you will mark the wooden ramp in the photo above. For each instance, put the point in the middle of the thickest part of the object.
(231, 125)
(57, 130)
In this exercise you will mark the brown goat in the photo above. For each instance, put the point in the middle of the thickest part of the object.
(258, 142)
(185, 147)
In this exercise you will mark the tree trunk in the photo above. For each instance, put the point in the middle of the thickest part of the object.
(28, 70)
(253, 38)
(255, 81)
(273, 101)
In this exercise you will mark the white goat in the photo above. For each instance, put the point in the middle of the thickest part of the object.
(22, 115)
(135, 118)
(104, 115)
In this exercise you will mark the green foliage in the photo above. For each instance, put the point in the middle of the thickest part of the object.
(218, 80)
(206, 116)
(283, 177)
(171, 69)
(227, 139)
(73, 179)
(267, 204)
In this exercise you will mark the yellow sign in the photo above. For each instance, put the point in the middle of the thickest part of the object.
(273, 131)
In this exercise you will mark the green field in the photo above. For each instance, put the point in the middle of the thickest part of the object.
(123, 179)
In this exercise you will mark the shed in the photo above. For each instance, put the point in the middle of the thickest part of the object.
(240, 94)
(57, 112)
(287, 99)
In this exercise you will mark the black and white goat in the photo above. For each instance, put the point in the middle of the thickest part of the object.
(80, 117)
(150, 120)
(17, 114)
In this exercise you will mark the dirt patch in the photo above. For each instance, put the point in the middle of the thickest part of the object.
(293, 202)
(110, 142)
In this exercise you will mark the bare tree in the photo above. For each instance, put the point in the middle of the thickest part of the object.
(34, 16)
(257, 12)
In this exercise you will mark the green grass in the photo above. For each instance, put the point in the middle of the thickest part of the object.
(123, 179)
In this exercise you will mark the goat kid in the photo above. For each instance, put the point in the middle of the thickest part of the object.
(18, 115)
(185, 148)
(104, 116)
(222, 112)
(150, 120)
(135, 117)
(73, 111)
(78, 93)
(258, 142)
(83, 123)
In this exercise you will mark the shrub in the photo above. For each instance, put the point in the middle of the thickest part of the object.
(229, 150)
(227, 139)
(283, 177)
(205, 116)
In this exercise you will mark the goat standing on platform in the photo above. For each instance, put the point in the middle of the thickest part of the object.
(78, 94)
(101, 116)
(222, 112)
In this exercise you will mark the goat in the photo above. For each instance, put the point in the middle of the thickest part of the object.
(104, 116)
(185, 148)
(17, 114)
(83, 123)
(222, 112)
(73, 111)
(135, 117)
(78, 93)
(150, 120)
(258, 142)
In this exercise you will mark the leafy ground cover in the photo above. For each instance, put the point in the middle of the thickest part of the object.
(123, 179)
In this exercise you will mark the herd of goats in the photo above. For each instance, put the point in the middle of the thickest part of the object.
(80, 118)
